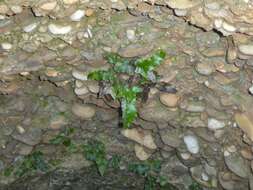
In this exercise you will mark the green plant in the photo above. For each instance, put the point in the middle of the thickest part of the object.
(195, 186)
(114, 162)
(150, 171)
(64, 138)
(95, 151)
(140, 73)
(30, 164)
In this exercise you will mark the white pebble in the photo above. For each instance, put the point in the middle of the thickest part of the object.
(78, 83)
(30, 27)
(246, 49)
(214, 124)
(6, 46)
(191, 144)
(204, 177)
(57, 29)
(251, 90)
(81, 91)
(228, 27)
(218, 23)
(16, 9)
(78, 15)
(130, 34)
(79, 75)
(180, 12)
(20, 129)
(185, 156)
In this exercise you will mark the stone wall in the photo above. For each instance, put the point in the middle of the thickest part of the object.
(205, 129)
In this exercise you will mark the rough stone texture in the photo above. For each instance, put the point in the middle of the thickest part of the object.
(47, 49)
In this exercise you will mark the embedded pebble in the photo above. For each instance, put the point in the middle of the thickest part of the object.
(192, 144)
(83, 111)
(170, 100)
(57, 29)
(130, 34)
(78, 15)
(48, 6)
(30, 27)
(6, 46)
(205, 68)
(140, 152)
(214, 124)
(143, 137)
(79, 75)
(246, 49)
(251, 90)
(81, 91)
(69, 2)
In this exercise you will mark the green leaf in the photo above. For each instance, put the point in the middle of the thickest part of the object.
(145, 66)
(195, 186)
(102, 165)
(95, 151)
(162, 180)
(8, 171)
(139, 168)
(120, 65)
(150, 183)
(102, 75)
(129, 113)
(32, 162)
(115, 161)
(113, 58)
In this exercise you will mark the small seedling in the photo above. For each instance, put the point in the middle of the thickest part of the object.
(95, 151)
(195, 186)
(64, 139)
(114, 162)
(31, 163)
(140, 74)
(150, 171)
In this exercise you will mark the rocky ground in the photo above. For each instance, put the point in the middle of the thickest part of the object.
(202, 133)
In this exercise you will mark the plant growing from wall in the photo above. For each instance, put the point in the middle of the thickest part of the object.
(128, 80)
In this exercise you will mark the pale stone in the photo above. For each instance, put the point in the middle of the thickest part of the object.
(218, 23)
(228, 27)
(51, 72)
(170, 100)
(205, 68)
(251, 90)
(93, 87)
(48, 6)
(140, 152)
(6, 46)
(183, 4)
(246, 49)
(83, 111)
(214, 124)
(79, 75)
(191, 143)
(78, 15)
(16, 9)
(130, 34)
(58, 29)
(78, 83)
(20, 129)
(180, 12)
(89, 12)
(245, 123)
(69, 2)
(30, 27)
(81, 91)
(58, 122)
(143, 137)
(3, 9)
